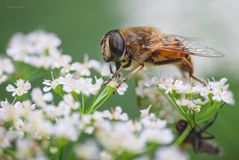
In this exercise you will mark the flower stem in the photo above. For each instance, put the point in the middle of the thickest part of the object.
(206, 115)
(172, 101)
(101, 99)
(184, 135)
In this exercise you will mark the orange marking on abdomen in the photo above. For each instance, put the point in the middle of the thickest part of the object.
(172, 54)
(180, 54)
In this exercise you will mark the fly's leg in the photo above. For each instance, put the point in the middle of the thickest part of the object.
(189, 69)
(116, 74)
(131, 74)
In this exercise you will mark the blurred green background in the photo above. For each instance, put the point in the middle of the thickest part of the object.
(81, 24)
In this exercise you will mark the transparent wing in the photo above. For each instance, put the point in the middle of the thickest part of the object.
(184, 45)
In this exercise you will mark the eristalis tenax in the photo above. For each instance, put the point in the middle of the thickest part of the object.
(136, 47)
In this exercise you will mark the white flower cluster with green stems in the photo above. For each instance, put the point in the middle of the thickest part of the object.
(51, 107)
(195, 102)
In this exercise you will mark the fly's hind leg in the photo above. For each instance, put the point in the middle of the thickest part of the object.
(187, 67)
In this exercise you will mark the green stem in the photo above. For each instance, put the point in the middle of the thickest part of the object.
(179, 107)
(101, 98)
(82, 102)
(184, 135)
(172, 101)
(102, 102)
(207, 114)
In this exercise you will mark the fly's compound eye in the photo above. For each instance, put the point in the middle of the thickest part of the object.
(116, 44)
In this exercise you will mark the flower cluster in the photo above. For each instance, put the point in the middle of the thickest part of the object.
(21, 88)
(6, 68)
(53, 107)
(147, 95)
(119, 135)
(40, 127)
(38, 48)
(198, 100)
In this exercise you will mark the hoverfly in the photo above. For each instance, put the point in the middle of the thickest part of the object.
(136, 47)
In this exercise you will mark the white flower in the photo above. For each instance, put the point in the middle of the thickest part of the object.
(18, 47)
(10, 112)
(145, 112)
(82, 69)
(39, 125)
(41, 40)
(117, 114)
(116, 137)
(50, 84)
(171, 153)
(218, 89)
(193, 105)
(39, 98)
(54, 112)
(68, 127)
(121, 89)
(186, 89)
(178, 85)
(80, 85)
(60, 60)
(40, 156)
(218, 85)
(161, 136)
(144, 157)
(6, 66)
(20, 126)
(151, 82)
(27, 108)
(53, 149)
(227, 97)
(167, 85)
(3, 78)
(121, 135)
(6, 137)
(21, 87)
(220, 92)
(87, 151)
(103, 70)
(69, 84)
(105, 156)
(39, 49)
(151, 121)
(94, 88)
(67, 104)
(23, 151)
(34, 43)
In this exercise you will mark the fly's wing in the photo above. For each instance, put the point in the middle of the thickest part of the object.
(181, 44)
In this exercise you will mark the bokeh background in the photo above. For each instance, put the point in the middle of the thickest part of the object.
(81, 24)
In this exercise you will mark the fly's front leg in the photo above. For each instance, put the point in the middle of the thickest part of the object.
(116, 74)
(131, 74)
(111, 70)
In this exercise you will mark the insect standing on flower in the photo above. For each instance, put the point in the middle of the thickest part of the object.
(198, 139)
(135, 47)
